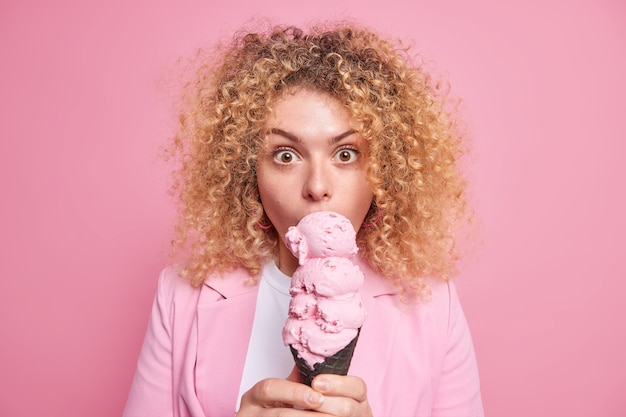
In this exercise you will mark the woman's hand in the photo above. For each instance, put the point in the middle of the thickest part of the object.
(331, 395)
(344, 396)
(274, 396)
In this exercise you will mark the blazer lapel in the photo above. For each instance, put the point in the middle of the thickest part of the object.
(225, 316)
(374, 348)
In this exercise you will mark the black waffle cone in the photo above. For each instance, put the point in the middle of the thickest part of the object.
(337, 364)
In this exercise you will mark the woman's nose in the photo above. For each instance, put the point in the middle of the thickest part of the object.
(317, 184)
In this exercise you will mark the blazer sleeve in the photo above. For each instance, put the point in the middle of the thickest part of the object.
(458, 392)
(151, 390)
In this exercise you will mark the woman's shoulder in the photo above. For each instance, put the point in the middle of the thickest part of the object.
(174, 287)
(436, 295)
(439, 299)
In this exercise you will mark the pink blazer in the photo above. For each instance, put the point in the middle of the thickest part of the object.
(416, 359)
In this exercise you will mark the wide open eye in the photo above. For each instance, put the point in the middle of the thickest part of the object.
(346, 155)
(285, 156)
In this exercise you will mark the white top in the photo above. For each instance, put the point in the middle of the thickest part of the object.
(267, 355)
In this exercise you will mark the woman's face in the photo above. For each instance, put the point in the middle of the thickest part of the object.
(313, 161)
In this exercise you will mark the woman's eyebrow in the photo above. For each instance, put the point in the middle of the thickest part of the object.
(286, 135)
(294, 138)
(343, 135)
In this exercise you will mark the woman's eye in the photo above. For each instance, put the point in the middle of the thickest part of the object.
(285, 157)
(346, 155)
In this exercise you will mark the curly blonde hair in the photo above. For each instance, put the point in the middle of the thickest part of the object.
(399, 108)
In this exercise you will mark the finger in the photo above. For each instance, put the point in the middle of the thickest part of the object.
(340, 386)
(340, 406)
(273, 391)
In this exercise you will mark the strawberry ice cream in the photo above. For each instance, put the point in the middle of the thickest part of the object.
(326, 310)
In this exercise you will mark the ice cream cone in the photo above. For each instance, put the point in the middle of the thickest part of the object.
(337, 364)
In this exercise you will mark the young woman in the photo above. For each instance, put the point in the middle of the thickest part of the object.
(279, 124)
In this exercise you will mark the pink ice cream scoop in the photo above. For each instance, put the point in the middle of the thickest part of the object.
(322, 234)
(326, 310)
(332, 277)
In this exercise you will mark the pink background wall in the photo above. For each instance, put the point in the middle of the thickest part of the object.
(86, 219)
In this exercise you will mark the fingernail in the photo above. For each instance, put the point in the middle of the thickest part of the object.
(321, 385)
(314, 397)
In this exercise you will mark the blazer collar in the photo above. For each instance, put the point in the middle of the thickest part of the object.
(231, 284)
